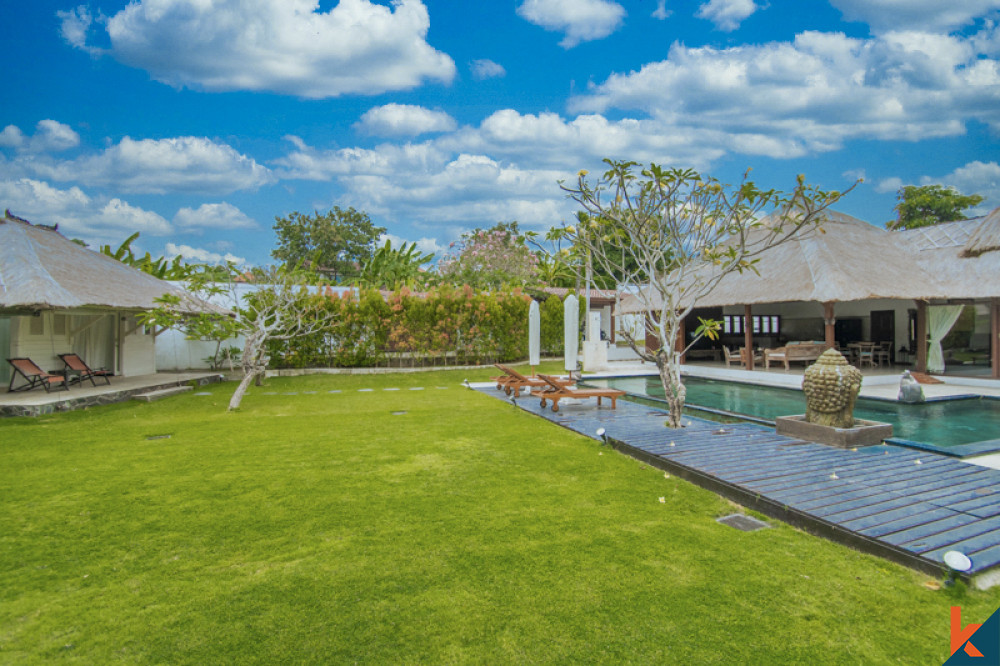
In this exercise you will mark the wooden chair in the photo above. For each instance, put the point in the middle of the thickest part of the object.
(866, 354)
(74, 364)
(555, 392)
(513, 381)
(34, 375)
(883, 353)
(731, 356)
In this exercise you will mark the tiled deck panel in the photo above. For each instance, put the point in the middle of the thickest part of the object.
(907, 505)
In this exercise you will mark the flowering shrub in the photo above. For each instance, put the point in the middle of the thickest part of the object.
(490, 259)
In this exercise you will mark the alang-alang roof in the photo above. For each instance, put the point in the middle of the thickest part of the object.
(854, 261)
(40, 269)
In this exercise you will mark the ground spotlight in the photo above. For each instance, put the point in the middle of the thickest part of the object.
(603, 434)
(957, 563)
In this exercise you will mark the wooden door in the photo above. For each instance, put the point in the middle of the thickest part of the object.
(883, 326)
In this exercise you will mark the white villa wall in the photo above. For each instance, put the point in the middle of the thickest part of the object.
(138, 348)
(43, 338)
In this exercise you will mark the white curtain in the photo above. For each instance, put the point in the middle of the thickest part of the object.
(940, 319)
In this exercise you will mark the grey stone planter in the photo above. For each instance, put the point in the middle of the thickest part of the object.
(864, 433)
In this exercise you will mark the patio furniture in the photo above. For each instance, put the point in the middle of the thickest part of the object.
(34, 375)
(740, 356)
(862, 353)
(555, 392)
(883, 353)
(794, 351)
(75, 365)
(513, 381)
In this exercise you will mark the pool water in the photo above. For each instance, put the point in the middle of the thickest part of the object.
(940, 424)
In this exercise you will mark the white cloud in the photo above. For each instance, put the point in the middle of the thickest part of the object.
(887, 185)
(200, 255)
(974, 178)
(282, 46)
(12, 137)
(424, 245)
(812, 94)
(579, 20)
(404, 120)
(97, 220)
(74, 26)
(928, 15)
(213, 216)
(183, 164)
(487, 69)
(50, 136)
(661, 12)
(119, 214)
(727, 14)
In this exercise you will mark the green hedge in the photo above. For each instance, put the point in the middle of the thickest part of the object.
(446, 326)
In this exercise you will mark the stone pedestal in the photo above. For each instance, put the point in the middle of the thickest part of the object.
(595, 356)
(864, 433)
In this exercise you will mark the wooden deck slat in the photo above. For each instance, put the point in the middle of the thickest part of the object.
(880, 495)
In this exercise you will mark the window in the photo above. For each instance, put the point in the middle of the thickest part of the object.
(37, 325)
(58, 324)
(762, 324)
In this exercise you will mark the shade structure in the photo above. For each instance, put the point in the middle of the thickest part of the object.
(40, 269)
(534, 334)
(846, 260)
(571, 332)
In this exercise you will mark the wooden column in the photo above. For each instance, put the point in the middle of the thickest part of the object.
(748, 334)
(829, 325)
(920, 364)
(652, 341)
(995, 337)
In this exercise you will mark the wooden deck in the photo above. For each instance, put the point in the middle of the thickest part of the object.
(905, 505)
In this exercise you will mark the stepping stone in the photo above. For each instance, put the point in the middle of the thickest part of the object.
(309, 393)
(202, 393)
(365, 390)
(334, 391)
(417, 388)
(269, 393)
(391, 389)
(161, 393)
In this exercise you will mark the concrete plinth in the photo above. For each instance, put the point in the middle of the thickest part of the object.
(864, 433)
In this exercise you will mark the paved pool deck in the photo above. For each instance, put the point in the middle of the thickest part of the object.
(905, 505)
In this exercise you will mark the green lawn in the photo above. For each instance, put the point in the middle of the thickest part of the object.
(320, 527)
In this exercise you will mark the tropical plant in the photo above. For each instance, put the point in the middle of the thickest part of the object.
(678, 233)
(390, 267)
(159, 267)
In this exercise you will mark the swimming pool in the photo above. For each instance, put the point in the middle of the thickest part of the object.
(960, 426)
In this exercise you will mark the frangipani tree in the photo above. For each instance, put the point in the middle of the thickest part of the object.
(675, 234)
(281, 308)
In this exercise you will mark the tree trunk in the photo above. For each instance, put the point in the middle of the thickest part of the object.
(250, 370)
(668, 363)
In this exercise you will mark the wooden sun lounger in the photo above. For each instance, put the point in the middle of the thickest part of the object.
(74, 364)
(513, 381)
(34, 375)
(555, 392)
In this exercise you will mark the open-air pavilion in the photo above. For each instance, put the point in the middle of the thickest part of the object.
(854, 282)
(57, 296)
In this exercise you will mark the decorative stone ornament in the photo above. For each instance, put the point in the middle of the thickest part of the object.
(831, 386)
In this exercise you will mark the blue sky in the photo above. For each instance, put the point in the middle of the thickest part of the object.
(196, 122)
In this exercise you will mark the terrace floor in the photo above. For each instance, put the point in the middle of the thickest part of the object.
(905, 505)
(80, 396)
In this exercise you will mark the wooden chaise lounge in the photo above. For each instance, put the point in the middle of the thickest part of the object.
(512, 381)
(74, 364)
(555, 392)
(34, 375)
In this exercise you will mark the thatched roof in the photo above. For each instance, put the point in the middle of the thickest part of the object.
(40, 269)
(850, 260)
(985, 238)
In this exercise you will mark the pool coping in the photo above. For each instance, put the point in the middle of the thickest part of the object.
(969, 449)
